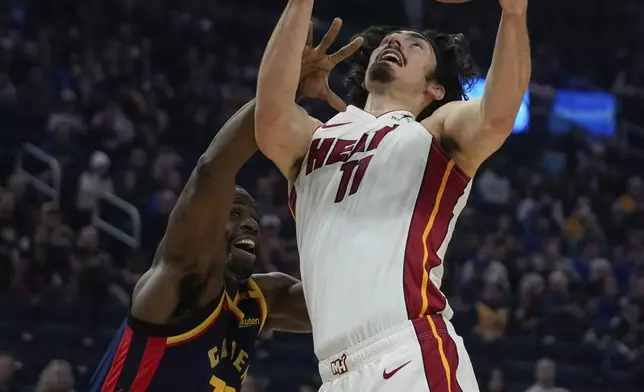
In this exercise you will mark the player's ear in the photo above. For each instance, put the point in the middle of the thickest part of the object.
(436, 91)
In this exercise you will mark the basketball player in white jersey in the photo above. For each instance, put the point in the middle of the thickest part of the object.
(377, 189)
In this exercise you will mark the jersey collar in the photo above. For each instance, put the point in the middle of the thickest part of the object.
(399, 112)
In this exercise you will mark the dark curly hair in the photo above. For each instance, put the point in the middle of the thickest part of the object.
(455, 67)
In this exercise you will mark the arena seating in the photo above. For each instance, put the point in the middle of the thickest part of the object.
(552, 240)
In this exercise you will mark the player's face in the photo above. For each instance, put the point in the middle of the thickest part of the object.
(242, 232)
(405, 58)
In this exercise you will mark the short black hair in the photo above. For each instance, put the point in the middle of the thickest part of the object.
(241, 192)
(455, 67)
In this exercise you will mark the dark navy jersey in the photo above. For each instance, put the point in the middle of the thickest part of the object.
(211, 354)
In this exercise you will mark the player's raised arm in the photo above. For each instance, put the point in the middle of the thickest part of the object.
(198, 221)
(196, 227)
(509, 75)
(480, 127)
(283, 129)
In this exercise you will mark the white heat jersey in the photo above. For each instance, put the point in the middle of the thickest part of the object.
(375, 205)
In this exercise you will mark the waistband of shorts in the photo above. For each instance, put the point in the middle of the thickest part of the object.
(366, 351)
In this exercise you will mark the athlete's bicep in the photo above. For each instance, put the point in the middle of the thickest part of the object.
(156, 294)
(284, 138)
(286, 305)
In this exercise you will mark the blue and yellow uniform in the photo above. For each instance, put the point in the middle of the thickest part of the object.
(210, 354)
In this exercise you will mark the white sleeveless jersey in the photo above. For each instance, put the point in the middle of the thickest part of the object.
(375, 205)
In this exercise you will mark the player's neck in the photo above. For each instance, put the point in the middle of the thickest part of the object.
(231, 286)
(378, 104)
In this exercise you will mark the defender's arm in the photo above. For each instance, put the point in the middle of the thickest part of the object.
(198, 221)
(283, 129)
(480, 127)
(285, 300)
(195, 230)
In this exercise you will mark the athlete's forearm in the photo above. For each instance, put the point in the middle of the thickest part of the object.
(509, 73)
(280, 68)
(289, 313)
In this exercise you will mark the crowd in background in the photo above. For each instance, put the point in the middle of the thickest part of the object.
(546, 268)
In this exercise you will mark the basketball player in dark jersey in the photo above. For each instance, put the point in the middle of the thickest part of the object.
(197, 312)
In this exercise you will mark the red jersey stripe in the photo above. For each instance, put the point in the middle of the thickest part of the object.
(119, 360)
(154, 350)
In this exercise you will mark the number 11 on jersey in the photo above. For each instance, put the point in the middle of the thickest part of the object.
(352, 173)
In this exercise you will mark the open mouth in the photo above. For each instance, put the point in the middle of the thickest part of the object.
(392, 56)
(246, 245)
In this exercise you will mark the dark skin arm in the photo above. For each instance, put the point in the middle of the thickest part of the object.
(195, 237)
(195, 233)
(285, 300)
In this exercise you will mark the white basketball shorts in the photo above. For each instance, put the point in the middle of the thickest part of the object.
(423, 355)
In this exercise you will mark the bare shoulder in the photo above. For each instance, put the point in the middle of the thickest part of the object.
(449, 112)
(312, 120)
(455, 125)
(435, 124)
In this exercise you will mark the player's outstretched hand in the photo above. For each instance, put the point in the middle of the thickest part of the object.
(316, 65)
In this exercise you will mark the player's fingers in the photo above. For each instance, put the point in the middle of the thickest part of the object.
(333, 99)
(330, 35)
(347, 50)
(309, 38)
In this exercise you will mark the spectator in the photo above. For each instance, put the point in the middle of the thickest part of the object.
(567, 316)
(53, 243)
(623, 358)
(9, 258)
(58, 376)
(113, 126)
(251, 384)
(7, 89)
(494, 188)
(7, 370)
(495, 381)
(153, 80)
(165, 164)
(23, 201)
(93, 182)
(605, 307)
(632, 199)
(491, 314)
(92, 273)
(66, 115)
(545, 377)
(529, 312)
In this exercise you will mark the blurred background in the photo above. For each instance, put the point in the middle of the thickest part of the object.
(105, 106)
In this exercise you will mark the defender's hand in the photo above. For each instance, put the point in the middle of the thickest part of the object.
(316, 65)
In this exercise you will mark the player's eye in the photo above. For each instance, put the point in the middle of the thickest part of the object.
(416, 44)
(234, 214)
